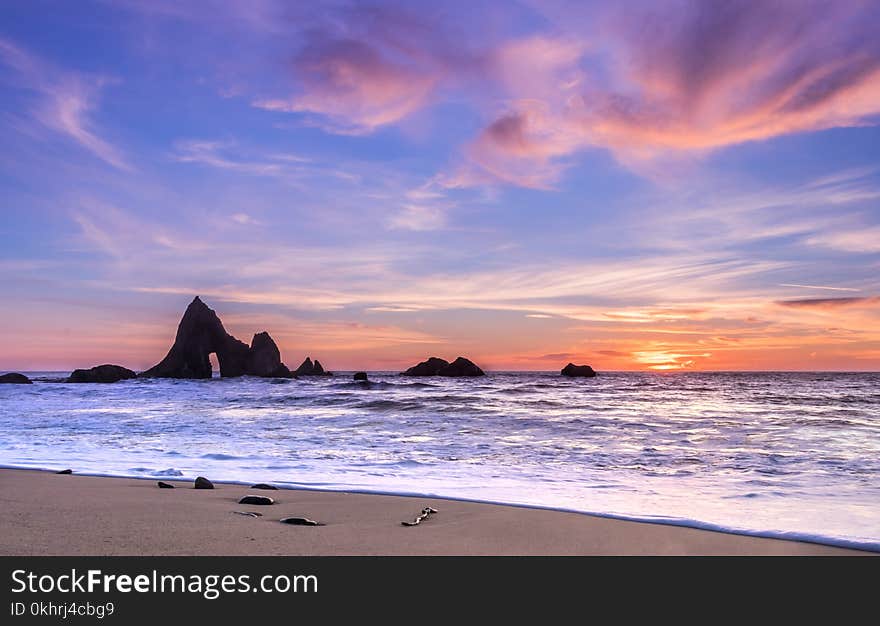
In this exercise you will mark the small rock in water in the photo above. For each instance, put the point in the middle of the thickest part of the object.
(300, 521)
(578, 371)
(203, 483)
(65, 471)
(248, 513)
(360, 376)
(261, 500)
(263, 486)
(15, 378)
(165, 485)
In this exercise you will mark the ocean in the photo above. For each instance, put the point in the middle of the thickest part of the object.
(779, 454)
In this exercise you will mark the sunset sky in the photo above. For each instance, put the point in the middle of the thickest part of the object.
(668, 185)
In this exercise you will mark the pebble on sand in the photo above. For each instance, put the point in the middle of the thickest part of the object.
(165, 485)
(300, 521)
(65, 471)
(259, 500)
(203, 483)
(263, 486)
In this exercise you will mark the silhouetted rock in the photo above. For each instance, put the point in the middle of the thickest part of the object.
(461, 367)
(65, 471)
(201, 333)
(360, 376)
(308, 368)
(431, 367)
(440, 367)
(164, 485)
(578, 371)
(203, 483)
(101, 374)
(258, 500)
(14, 378)
(263, 486)
(264, 358)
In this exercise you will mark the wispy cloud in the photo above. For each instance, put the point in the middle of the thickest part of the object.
(828, 303)
(862, 240)
(67, 101)
(822, 287)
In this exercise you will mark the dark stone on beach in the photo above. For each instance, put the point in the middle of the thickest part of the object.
(257, 500)
(102, 374)
(578, 371)
(264, 486)
(308, 368)
(360, 376)
(461, 367)
(165, 485)
(300, 521)
(431, 367)
(203, 483)
(14, 378)
(201, 333)
(65, 471)
(435, 366)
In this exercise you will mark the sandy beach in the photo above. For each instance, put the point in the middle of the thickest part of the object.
(43, 513)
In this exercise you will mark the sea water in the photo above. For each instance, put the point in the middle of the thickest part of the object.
(795, 455)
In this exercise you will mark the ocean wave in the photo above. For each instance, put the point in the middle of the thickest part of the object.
(624, 442)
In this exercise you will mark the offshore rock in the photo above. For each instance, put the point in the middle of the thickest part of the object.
(435, 366)
(578, 371)
(308, 368)
(101, 374)
(264, 358)
(461, 367)
(431, 367)
(14, 378)
(201, 333)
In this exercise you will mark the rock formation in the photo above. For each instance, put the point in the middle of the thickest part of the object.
(14, 378)
(435, 366)
(201, 333)
(264, 358)
(101, 374)
(361, 376)
(309, 368)
(578, 371)
(461, 367)
(431, 367)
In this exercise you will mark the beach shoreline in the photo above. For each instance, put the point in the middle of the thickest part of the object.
(44, 513)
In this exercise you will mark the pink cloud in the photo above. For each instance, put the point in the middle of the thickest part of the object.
(687, 79)
(362, 67)
(355, 86)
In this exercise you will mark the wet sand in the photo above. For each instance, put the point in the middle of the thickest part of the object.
(42, 513)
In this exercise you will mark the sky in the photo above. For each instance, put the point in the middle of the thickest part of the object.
(670, 185)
